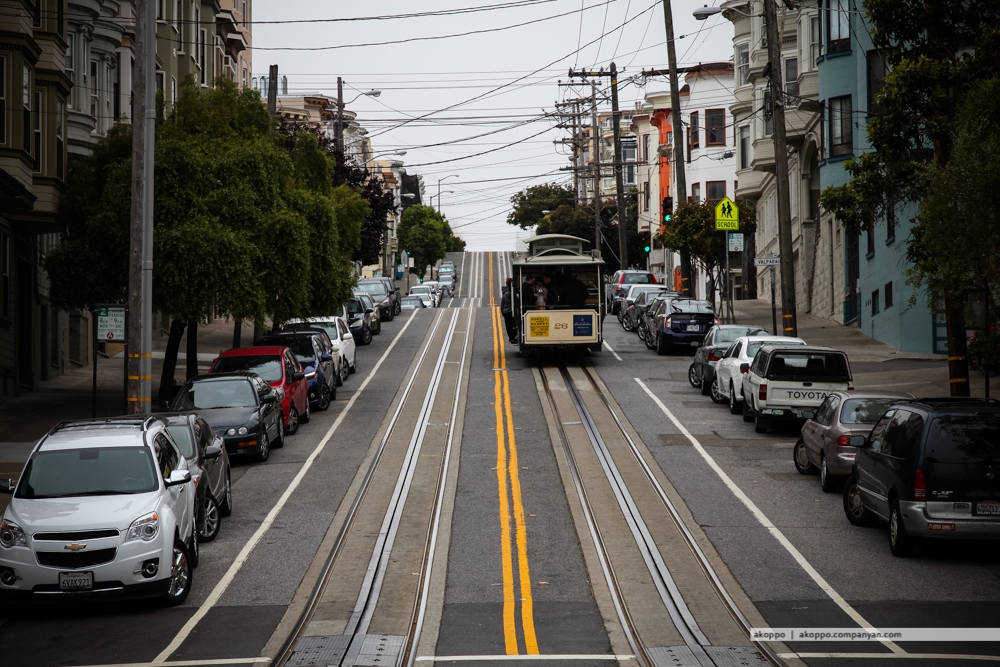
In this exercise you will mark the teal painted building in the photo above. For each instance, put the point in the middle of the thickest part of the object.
(876, 296)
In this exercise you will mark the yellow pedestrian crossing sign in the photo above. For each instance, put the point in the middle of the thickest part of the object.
(727, 215)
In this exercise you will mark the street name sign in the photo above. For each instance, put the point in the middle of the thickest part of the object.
(727, 215)
(767, 261)
(111, 324)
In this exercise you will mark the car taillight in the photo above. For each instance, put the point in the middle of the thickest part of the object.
(666, 323)
(712, 357)
(762, 392)
(919, 486)
(716, 321)
(844, 441)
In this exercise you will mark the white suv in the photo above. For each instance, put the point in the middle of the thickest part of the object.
(102, 507)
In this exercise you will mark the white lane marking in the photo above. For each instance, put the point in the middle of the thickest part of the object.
(892, 656)
(191, 663)
(612, 351)
(459, 277)
(764, 521)
(244, 553)
(550, 656)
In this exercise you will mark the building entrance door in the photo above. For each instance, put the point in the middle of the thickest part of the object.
(853, 273)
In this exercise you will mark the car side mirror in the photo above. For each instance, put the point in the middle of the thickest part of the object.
(325, 357)
(7, 486)
(268, 398)
(368, 311)
(177, 477)
(212, 452)
(808, 414)
(858, 441)
(744, 368)
(298, 375)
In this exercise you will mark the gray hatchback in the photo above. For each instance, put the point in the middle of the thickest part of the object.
(825, 442)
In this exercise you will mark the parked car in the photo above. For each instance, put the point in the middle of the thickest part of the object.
(103, 506)
(447, 284)
(241, 407)
(825, 444)
(928, 468)
(314, 351)
(423, 293)
(626, 313)
(783, 382)
(381, 295)
(281, 370)
(701, 373)
(394, 293)
(358, 321)
(208, 462)
(412, 303)
(730, 368)
(678, 322)
(372, 310)
(342, 343)
(644, 303)
(448, 268)
(620, 283)
(436, 290)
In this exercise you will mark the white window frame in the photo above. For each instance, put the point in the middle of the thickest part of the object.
(742, 64)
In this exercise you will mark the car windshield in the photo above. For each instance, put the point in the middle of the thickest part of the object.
(302, 348)
(234, 393)
(865, 410)
(964, 439)
(755, 345)
(181, 434)
(446, 269)
(729, 335)
(420, 290)
(354, 307)
(366, 300)
(266, 366)
(411, 302)
(700, 307)
(378, 289)
(89, 471)
(638, 279)
(808, 366)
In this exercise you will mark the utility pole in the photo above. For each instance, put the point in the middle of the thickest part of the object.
(596, 155)
(140, 283)
(340, 117)
(616, 122)
(680, 179)
(789, 325)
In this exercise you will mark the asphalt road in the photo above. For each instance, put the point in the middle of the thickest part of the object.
(515, 574)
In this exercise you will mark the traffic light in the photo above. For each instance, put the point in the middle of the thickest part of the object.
(645, 241)
(667, 208)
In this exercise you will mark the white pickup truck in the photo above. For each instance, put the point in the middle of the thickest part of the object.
(782, 382)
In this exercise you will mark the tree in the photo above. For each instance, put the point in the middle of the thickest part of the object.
(426, 235)
(530, 202)
(457, 244)
(937, 53)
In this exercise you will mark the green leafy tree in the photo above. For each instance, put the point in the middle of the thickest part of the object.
(457, 244)
(938, 52)
(426, 235)
(529, 203)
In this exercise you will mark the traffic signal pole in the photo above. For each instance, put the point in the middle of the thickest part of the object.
(680, 178)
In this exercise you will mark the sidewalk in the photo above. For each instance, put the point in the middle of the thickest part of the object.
(875, 365)
(26, 418)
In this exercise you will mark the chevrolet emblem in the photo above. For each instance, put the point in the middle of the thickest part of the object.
(75, 547)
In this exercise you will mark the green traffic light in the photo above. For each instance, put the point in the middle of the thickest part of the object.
(647, 248)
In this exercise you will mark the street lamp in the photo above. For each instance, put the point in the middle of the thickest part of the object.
(703, 13)
(439, 189)
(340, 110)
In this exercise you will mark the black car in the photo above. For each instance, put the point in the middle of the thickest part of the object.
(678, 322)
(381, 295)
(641, 311)
(931, 468)
(205, 451)
(701, 373)
(312, 348)
(241, 407)
(631, 317)
(357, 316)
(372, 310)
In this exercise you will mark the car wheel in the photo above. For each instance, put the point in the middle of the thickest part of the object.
(827, 482)
(213, 519)
(693, 379)
(293, 421)
(265, 447)
(747, 410)
(648, 340)
(307, 415)
(800, 458)
(366, 337)
(706, 384)
(717, 397)
(226, 506)
(661, 347)
(760, 423)
(181, 575)
(621, 317)
(900, 542)
(854, 507)
(345, 370)
(324, 400)
(735, 407)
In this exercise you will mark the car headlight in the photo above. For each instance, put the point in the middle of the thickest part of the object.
(144, 528)
(11, 535)
(242, 430)
(231, 431)
(310, 376)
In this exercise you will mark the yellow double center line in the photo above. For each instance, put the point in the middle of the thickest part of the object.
(507, 467)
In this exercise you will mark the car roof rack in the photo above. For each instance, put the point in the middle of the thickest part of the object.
(140, 421)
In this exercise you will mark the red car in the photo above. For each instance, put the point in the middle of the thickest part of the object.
(278, 367)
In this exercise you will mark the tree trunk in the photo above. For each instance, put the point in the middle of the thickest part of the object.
(237, 332)
(166, 392)
(686, 274)
(192, 349)
(958, 349)
(257, 333)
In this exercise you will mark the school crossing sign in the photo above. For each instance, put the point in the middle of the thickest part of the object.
(727, 215)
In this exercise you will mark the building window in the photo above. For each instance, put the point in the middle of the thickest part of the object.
(36, 15)
(875, 308)
(838, 26)
(173, 90)
(841, 134)
(792, 77)
(201, 56)
(876, 80)
(693, 135)
(38, 131)
(890, 225)
(888, 295)
(768, 113)
(159, 10)
(26, 102)
(69, 55)
(696, 193)
(715, 127)
(716, 191)
(645, 148)
(745, 147)
(629, 160)
(60, 138)
(742, 64)
(93, 88)
(159, 82)
(5, 275)
(3, 100)
(871, 242)
(116, 93)
(61, 16)
(815, 43)
(645, 196)
(177, 26)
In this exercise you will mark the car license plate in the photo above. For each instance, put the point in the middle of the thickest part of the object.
(988, 508)
(694, 327)
(76, 581)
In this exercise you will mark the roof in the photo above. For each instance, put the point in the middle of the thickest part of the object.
(957, 403)
(807, 348)
(546, 237)
(775, 338)
(276, 350)
(218, 377)
(874, 393)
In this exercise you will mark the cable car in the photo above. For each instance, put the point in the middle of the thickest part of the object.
(557, 294)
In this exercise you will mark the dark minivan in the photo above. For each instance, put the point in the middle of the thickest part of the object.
(931, 468)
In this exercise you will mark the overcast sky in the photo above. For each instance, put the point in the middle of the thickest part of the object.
(463, 86)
